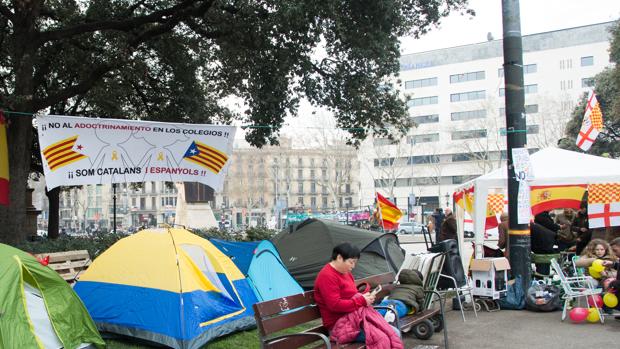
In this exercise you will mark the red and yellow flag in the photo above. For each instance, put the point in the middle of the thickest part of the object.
(61, 153)
(495, 205)
(389, 213)
(4, 163)
(549, 197)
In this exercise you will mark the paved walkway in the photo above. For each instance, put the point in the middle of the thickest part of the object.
(521, 329)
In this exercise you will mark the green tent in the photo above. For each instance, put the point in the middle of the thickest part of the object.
(38, 309)
(307, 247)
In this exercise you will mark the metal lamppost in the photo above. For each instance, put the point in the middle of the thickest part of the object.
(447, 199)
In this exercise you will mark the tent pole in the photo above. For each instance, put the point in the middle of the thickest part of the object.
(519, 234)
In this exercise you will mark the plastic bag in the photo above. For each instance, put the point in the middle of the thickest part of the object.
(515, 297)
(542, 297)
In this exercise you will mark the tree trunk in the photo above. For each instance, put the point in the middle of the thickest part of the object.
(23, 48)
(53, 196)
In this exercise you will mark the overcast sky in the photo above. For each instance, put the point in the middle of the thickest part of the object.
(536, 16)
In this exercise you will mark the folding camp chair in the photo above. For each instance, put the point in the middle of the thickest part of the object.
(574, 288)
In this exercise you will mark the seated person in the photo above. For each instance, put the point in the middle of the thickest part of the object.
(337, 297)
(409, 291)
(597, 249)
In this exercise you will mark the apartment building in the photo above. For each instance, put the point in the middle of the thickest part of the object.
(262, 185)
(457, 102)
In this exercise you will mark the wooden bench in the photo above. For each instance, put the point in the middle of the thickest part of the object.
(68, 264)
(280, 314)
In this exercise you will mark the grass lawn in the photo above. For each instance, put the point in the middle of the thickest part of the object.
(239, 340)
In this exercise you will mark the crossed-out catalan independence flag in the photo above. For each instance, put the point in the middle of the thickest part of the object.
(62, 154)
(604, 205)
(206, 156)
(4, 163)
(389, 214)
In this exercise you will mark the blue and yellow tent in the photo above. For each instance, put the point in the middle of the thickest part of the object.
(167, 286)
(260, 262)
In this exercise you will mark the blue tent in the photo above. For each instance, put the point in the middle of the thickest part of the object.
(260, 262)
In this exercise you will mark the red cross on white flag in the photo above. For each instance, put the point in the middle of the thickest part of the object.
(603, 205)
(592, 123)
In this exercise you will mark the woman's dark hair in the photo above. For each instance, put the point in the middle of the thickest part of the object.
(346, 250)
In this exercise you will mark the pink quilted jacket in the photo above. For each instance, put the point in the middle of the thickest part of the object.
(379, 334)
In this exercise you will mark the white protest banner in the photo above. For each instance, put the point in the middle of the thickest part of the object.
(77, 150)
(523, 173)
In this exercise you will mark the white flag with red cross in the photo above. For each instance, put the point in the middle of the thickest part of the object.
(603, 205)
(592, 123)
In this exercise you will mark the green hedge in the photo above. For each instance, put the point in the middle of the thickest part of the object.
(99, 242)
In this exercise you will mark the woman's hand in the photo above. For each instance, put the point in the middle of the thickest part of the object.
(370, 298)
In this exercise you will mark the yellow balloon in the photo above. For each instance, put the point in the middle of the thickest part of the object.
(597, 266)
(593, 315)
(610, 300)
(594, 273)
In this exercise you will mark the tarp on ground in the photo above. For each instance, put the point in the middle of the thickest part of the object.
(38, 309)
(167, 286)
(262, 266)
(307, 247)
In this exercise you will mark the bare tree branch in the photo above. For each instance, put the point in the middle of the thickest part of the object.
(7, 13)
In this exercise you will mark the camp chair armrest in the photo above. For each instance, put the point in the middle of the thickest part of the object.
(302, 334)
(388, 308)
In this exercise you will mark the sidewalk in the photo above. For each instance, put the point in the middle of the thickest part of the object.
(522, 329)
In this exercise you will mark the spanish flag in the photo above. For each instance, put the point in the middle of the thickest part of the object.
(4, 163)
(389, 213)
(549, 197)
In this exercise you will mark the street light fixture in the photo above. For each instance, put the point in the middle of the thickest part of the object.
(447, 200)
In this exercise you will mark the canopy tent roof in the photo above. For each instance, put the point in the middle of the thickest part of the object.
(550, 166)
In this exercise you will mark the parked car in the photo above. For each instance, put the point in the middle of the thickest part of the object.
(410, 228)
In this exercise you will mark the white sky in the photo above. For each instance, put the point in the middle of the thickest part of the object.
(536, 16)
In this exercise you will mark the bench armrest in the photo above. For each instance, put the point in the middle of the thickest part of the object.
(302, 334)
(388, 308)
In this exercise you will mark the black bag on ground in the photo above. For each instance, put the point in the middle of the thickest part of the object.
(542, 297)
(515, 297)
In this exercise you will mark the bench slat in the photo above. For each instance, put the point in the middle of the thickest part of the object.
(296, 317)
(276, 306)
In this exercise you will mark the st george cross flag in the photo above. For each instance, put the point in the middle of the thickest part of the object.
(592, 123)
(604, 205)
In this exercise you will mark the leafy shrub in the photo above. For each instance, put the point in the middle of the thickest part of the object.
(259, 233)
(95, 244)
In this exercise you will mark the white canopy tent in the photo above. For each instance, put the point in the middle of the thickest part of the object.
(550, 166)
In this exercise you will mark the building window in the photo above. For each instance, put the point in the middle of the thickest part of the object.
(587, 61)
(423, 159)
(383, 141)
(300, 200)
(467, 96)
(420, 83)
(312, 174)
(530, 68)
(587, 82)
(458, 135)
(300, 162)
(468, 115)
(426, 138)
(567, 63)
(347, 188)
(300, 187)
(529, 109)
(324, 201)
(384, 162)
(472, 76)
(469, 156)
(324, 173)
(530, 129)
(416, 102)
(300, 173)
(313, 188)
(425, 119)
(313, 202)
(462, 179)
(533, 88)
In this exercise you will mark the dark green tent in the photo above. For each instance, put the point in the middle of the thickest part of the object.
(307, 247)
